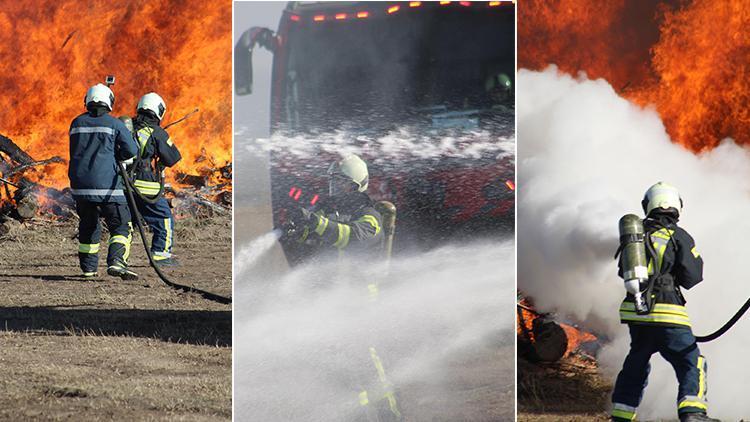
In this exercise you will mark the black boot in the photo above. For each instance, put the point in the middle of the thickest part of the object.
(122, 271)
(697, 417)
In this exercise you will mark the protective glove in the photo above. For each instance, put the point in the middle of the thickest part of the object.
(300, 222)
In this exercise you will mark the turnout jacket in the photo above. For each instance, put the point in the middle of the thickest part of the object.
(347, 222)
(97, 142)
(677, 265)
(153, 143)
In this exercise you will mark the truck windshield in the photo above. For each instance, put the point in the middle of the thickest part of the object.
(398, 69)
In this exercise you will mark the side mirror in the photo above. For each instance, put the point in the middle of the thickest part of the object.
(243, 56)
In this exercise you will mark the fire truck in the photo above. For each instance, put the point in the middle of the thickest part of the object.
(433, 73)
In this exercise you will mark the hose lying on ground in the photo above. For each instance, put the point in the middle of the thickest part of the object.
(134, 209)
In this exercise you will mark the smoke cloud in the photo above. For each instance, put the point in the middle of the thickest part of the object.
(586, 157)
(304, 337)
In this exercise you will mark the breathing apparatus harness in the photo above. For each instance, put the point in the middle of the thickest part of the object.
(128, 177)
(634, 241)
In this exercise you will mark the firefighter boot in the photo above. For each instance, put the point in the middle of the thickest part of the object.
(697, 417)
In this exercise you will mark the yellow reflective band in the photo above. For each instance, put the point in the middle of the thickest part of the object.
(663, 234)
(143, 134)
(392, 403)
(701, 377)
(322, 225)
(695, 252)
(118, 238)
(624, 414)
(659, 308)
(130, 240)
(372, 288)
(372, 221)
(656, 318)
(378, 364)
(305, 233)
(697, 404)
(168, 240)
(363, 400)
(147, 188)
(343, 239)
(88, 248)
(170, 142)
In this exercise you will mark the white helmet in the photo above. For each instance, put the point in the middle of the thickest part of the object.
(99, 94)
(351, 170)
(154, 103)
(662, 195)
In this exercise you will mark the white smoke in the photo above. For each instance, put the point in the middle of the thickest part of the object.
(302, 340)
(585, 158)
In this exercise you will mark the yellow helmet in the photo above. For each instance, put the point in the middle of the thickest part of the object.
(352, 170)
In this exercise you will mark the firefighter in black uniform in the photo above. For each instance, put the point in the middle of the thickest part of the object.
(97, 142)
(156, 151)
(347, 220)
(666, 328)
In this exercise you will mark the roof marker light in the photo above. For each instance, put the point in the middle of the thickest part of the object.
(510, 185)
(415, 3)
(340, 16)
(393, 9)
(363, 14)
(444, 3)
(494, 3)
(314, 199)
(465, 3)
(319, 18)
(294, 18)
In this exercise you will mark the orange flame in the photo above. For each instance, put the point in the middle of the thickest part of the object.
(688, 58)
(53, 50)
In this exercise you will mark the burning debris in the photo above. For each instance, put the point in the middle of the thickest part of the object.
(542, 339)
(205, 194)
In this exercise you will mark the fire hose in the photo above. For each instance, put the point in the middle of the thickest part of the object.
(724, 328)
(134, 209)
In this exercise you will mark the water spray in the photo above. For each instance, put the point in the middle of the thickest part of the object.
(257, 248)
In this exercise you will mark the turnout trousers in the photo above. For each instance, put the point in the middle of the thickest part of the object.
(678, 346)
(117, 218)
(159, 218)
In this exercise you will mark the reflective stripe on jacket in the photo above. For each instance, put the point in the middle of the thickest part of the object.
(97, 143)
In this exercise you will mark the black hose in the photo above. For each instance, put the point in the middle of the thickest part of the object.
(724, 328)
(134, 209)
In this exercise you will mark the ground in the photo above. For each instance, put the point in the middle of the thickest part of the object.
(568, 390)
(109, 349)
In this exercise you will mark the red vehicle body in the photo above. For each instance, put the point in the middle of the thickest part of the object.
(361, 71)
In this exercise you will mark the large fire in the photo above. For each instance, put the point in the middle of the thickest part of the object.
(688, 58)
(53, 50)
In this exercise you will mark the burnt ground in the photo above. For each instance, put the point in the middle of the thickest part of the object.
(109, 349)
(568, 390)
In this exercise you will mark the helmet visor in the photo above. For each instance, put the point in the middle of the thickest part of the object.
(339, 184)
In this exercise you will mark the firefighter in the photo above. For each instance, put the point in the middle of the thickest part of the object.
(673, 263)
(97, 142)
(499, 88)
(157, 150)
(347, 220)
